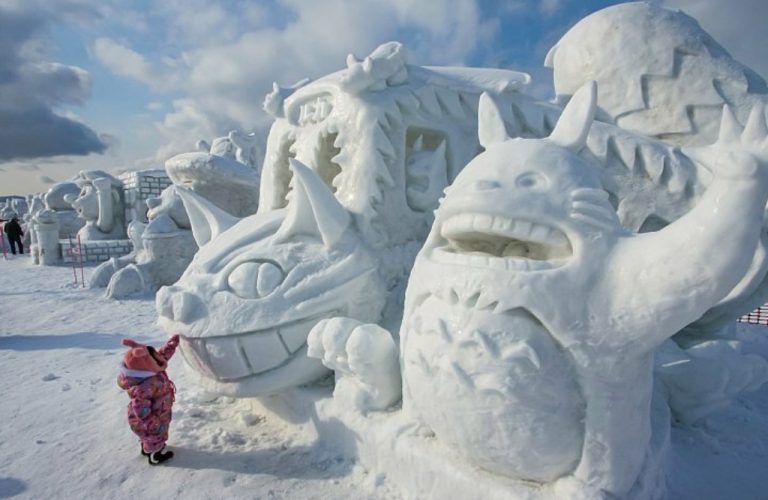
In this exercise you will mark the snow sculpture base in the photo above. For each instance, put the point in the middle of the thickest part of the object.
(391, 448)
(94, 251)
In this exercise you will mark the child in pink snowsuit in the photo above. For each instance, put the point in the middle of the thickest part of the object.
(142, 375)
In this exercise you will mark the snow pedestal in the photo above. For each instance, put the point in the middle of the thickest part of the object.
(392, 448)
(47, 232)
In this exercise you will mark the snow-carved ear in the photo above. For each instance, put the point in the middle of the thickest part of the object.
(490, 124)
(313, 209)
(207, 220)
(549, 60)
(573, 126)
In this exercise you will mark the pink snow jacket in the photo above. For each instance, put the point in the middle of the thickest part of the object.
(152, 396)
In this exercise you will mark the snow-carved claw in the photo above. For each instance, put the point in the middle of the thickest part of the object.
(739, 151)
(364, 357)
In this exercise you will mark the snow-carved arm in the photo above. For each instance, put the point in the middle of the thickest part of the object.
(365, 359)
(705, 253)
(106, 218)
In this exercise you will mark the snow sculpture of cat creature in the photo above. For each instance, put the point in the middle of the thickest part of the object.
(101, 204)
(248, 299)
(532, 316)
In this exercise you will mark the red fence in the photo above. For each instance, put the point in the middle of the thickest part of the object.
(757, 317)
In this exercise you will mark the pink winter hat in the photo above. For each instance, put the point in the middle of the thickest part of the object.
(143, 357)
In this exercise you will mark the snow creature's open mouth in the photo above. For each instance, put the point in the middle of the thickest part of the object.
(502, 243)
(236, 357)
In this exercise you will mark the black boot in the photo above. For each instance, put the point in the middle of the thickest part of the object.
(160, 456)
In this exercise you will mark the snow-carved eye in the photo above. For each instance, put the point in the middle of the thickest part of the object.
(253, 280)
(532, 180)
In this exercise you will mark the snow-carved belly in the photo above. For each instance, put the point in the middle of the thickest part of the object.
(494, 387)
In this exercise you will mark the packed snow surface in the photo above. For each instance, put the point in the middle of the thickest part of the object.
(64, 434)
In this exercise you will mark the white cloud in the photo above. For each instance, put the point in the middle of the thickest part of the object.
(124, 61)
(549, 7)
(225, 76)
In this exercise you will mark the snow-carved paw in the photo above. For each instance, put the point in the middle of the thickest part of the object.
(103, 273)
(127, 281)
(365, 359)
(707, 376)
(739, 152)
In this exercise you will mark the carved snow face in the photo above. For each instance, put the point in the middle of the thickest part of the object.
(524, 207)
(245, 305)
(167, 220)
(86, 204)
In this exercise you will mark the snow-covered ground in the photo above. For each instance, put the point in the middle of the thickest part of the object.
(63, 432)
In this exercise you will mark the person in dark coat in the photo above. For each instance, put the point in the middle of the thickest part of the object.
(14, 232)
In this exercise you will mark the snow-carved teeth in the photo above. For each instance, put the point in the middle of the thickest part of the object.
(502, 243)
(235, 357)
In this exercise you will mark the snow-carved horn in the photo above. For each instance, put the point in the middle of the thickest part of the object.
(313, 209)
(756, 129)
(730, 128)
(490, 124)
(207, 220)
(573, 126)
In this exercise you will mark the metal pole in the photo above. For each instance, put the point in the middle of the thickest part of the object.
(72, 257)
(80, 252)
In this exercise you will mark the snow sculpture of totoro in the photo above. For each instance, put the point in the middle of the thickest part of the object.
(532, 315)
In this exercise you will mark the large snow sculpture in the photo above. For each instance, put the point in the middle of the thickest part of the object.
(532, 314)
(100, 203)
(383, 147)
(162, 251)
(659, 73)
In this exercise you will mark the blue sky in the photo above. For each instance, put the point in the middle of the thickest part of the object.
(115, 84)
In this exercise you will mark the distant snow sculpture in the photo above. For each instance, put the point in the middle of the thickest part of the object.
(101, 204)
(7, 212)
(69, 221)
(46, 226)
(659, 73)
(226, 172)
(163, 248)
(30, 235)
(532, 315)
